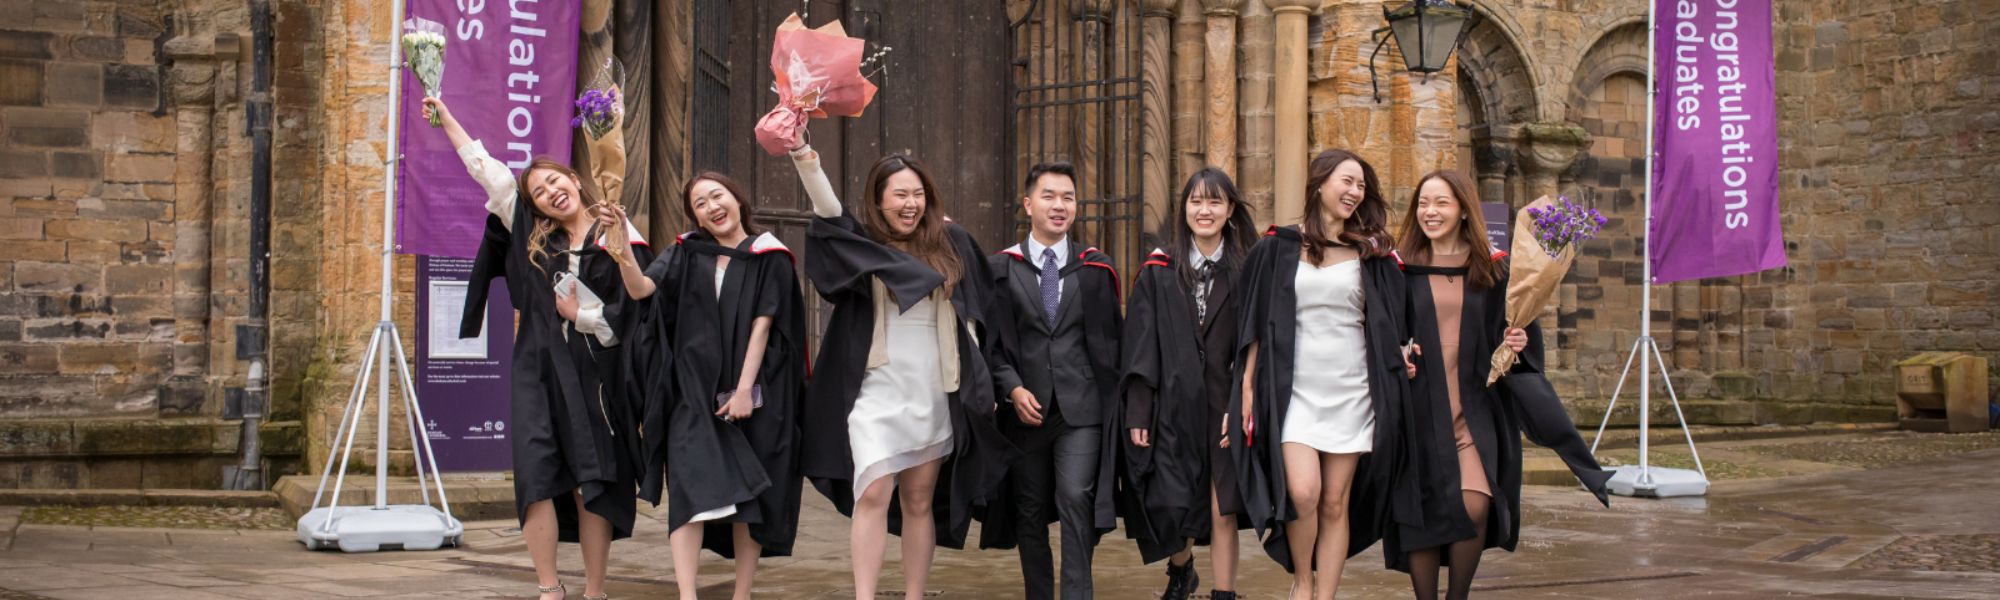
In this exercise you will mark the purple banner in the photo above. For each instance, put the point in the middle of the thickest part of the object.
(1715, 141)
(462, 384)
(510, 79)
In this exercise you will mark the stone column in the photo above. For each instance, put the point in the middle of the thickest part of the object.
(1289, 166)
(1543, 151)
(1190, 96)
(1546, 150)
(192, 85)
(1155, 73)
(1254, 142)
(1219, 41)
(1092, 18)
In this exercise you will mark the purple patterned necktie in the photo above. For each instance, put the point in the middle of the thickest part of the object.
(1051, 280)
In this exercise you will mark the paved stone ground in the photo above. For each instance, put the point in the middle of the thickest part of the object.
(1924, 530)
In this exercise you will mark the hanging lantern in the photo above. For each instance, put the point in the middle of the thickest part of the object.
(1426, 31)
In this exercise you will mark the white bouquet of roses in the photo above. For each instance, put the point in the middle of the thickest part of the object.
(423, 55)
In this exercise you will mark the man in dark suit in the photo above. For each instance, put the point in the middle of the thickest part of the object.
(1057, 368)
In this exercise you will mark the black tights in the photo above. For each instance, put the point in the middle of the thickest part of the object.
(1464, 556)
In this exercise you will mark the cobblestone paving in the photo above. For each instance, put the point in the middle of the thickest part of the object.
(1882, 449)
(177, 517)
(1975, 553)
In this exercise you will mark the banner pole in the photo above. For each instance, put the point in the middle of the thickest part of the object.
(1646, 279)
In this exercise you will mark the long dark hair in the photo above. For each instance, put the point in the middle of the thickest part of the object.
(929, 242)
(1366, 229)
(1239, 233)
(543, 227)
(1482, 271)
(745, 215)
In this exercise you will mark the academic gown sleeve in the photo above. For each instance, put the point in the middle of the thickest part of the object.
(489, 264)
(1528, 394)
(649, 358)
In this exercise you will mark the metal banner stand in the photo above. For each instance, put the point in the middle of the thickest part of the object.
(383, 526)
(1646, 480)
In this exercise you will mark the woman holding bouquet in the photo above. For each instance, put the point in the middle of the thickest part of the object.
(1465, 452)
(573, 434)
(719, 344)
(1180, 336)
(1322, 377)
(901, 406)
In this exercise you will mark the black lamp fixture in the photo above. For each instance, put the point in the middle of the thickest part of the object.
(1427, 31)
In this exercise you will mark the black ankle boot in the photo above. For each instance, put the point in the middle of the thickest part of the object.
(1181, 580)
(1221, 595)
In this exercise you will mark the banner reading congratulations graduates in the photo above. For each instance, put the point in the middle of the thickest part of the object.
(1715, 141)
(509, 77)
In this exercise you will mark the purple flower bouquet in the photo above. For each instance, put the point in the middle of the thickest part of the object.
(597, 111)
(1557, 231)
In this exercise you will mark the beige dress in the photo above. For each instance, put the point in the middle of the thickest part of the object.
(1448, 294)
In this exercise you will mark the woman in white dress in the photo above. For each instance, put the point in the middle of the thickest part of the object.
(902, 366)
(1320, 360)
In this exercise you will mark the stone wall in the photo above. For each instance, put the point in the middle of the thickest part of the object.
(1886, 126)
(124, 176)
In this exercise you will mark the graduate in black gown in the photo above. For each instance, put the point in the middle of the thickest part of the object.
(570, 421)
(1465, 451)
(1178, 482)
(724, 309)
(898, 428)
(1319, 447)
(1056, 313)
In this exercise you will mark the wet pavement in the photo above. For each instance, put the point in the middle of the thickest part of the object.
(1849, 528)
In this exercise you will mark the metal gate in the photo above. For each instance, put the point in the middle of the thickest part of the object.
(1076, 99)
(708, 135)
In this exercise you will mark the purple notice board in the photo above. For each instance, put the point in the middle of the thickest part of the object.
(462, 384)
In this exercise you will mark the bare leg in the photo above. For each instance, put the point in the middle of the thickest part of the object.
(595, 533)
(540, 532)
(686, 543)
(1465, 553)
(1302, 483)
(1337, 474)
(917, 487)
(868, 535)
(1222, 545)
(747, 552)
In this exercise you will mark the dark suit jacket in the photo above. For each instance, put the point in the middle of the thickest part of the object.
(1072, 367)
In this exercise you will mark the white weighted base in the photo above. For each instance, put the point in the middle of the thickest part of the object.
(1665, 483)
(369, 529)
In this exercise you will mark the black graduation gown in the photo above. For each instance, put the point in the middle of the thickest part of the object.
(840, 260)
(1496, 416)
(1097, 294)
(571, 421)
(709, 463)
(1176, 385)
(1270, 319)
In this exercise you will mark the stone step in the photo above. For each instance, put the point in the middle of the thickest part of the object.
(472, 499)
(216, 498)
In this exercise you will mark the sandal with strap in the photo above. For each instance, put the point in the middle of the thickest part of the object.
(552, 589)
(603, 596)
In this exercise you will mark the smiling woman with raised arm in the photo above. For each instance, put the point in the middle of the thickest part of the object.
(900, 410)
(571, 426)
(720, 344)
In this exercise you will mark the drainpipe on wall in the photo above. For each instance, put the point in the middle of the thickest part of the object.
(253, 338)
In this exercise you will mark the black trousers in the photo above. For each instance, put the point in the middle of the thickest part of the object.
(1059, 476)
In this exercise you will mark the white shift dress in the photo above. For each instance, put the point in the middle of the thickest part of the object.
(901, 418)
(1330, 409)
